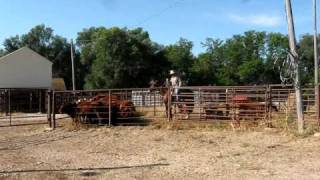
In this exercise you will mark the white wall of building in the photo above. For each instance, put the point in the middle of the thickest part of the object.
(25, 68)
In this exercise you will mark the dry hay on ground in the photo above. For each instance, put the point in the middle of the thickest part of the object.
(30, 152)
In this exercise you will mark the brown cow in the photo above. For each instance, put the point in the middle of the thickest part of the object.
(126, 109)
(97, 108)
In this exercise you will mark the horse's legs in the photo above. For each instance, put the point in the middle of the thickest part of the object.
(167, 113)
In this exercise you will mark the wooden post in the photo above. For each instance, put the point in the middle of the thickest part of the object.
(49, 107)
(40, 100)
(270, 106)
(72, 67)
(9, 107)
(30, 102)
(53, 111)
(169, 104)
(294, 58)
(316, 63)
(154, 103)
(318, 101)
(200, 104)
(110, 111)
(267, 103)
(6, 98)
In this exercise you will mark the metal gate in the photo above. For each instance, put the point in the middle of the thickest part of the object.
(22, 106)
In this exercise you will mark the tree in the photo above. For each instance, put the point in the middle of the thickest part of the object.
(180, 56)
(277, 50)
(122, 58)
(206, 65)
(306, 52)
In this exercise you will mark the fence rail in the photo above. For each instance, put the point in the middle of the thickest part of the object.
(22, 106)
(209, 104)
(265, 104)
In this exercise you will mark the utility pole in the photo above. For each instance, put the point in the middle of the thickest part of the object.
(294, 58)
(72, 64)
(316, 62)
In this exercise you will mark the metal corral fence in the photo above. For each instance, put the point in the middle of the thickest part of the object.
(267, 104)
(123, 106)
(22, 106)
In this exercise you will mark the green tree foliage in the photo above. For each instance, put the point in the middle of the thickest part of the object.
(180, 56)
(241, 60)
(206, 65)
(122, 58)
(306, 52)
(54, 47)
(277, 51)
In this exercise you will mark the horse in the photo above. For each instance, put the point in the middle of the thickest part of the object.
(165, 94)
(185, 103)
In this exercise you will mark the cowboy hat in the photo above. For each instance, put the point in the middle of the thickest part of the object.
(172, 72)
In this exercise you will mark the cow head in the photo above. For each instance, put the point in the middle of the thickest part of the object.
(68, 108)
(126, 108)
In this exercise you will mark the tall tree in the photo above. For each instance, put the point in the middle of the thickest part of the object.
(277, 48)
(180, 56)
(122, 58)
(206, 66)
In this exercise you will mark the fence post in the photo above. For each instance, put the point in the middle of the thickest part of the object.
(40, 100)
(154, 103)
(6, 99)
(109, 109)
(317, 101)
(200, 104)
(269, 105)
(53, 110)
(169, 104)
(49, 107)
(234, 111)
(9, 104)
(30, 102)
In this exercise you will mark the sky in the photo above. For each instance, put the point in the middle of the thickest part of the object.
(165, 20)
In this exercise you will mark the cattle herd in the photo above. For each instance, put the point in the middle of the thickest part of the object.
(100, 109)
(104, 107)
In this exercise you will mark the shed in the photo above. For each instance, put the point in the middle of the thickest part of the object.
(24, 68)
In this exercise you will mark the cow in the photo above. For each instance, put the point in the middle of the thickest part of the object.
(97, 108)
(126, 109)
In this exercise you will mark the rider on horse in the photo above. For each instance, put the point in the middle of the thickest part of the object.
(175, 83)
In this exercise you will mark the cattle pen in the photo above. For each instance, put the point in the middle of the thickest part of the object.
(266, 104)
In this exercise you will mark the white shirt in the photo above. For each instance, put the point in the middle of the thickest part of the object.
(175, 81)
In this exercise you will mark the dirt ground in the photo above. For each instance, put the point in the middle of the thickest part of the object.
(31, 152)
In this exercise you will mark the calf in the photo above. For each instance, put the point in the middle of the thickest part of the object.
(126, 109)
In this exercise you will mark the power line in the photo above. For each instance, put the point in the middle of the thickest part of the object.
(171, 6)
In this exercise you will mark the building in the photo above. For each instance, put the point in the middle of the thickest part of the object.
(24, 78)
(25, 68)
